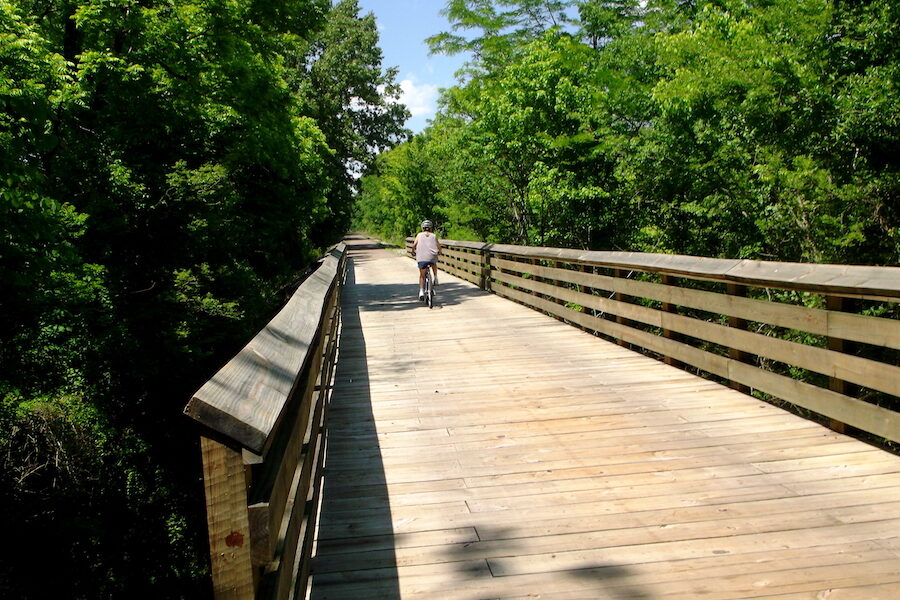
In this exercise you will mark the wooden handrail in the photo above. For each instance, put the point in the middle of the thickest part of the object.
(855, 281)
(655, 309)
(263, 442)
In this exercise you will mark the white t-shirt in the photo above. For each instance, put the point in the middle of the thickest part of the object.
(426, 246)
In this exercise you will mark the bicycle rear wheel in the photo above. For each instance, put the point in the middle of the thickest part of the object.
(429, 290)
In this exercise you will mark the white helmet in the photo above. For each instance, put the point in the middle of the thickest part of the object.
(426, 224)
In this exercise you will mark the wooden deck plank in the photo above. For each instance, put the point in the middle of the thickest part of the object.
(482, 450)
(685, 579)
(557, 491)
(727, 537)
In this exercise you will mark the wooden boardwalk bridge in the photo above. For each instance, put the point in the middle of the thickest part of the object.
(484, 450)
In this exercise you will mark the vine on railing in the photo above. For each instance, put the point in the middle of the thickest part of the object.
(263, 442)
(824, 338)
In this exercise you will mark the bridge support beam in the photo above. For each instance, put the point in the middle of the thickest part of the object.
(225, 482)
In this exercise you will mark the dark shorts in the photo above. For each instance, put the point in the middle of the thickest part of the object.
(423, 264)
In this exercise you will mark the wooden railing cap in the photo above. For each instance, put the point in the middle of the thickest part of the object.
(846, 280)
(245, 400)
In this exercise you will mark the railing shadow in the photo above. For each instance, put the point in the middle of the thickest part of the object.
(355, 510)
(608, 580)
(404, 296)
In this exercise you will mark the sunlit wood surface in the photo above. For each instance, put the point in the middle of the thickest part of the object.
(481, 450)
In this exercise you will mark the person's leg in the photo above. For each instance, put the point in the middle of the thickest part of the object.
(422, 283)
(434, 270)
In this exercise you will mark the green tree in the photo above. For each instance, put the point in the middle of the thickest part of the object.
(722, 128)
(163, 178)
(501, 28)
(751, 106)
(605, 20)
(354, 101)
(399, 191)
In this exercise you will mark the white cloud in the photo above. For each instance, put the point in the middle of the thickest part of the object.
(420, 99)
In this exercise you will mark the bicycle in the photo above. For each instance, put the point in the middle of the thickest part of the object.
(428, 289)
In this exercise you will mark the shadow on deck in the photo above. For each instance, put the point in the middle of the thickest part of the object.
(356, 512)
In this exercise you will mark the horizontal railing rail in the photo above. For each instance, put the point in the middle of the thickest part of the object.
(824, 338)
(263, 442)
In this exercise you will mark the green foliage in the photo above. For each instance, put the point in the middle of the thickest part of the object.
(603, 21)
(352, 101)
(166, 168)
(392, 200)
(737, 129)
(503, 27)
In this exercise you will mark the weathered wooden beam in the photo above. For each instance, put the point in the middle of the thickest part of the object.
(670, 307)
(225, 482)
(846, 326)
(737, 354)
(849, 280)
(251, 410)
(246, 399)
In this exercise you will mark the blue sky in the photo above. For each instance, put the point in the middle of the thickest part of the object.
(403, 26)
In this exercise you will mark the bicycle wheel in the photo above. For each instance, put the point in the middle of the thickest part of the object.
(429, 290)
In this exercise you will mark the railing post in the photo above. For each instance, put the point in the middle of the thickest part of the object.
(620, 297)
(668, 333)
(735, 289)
(225, 482)
(558, 264)
(837, 304)
(585, 268)
(486, 268)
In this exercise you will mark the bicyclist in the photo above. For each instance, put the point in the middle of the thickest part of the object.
(426, 248)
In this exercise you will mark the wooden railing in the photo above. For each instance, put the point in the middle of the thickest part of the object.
(806, 334)
(263, 442)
